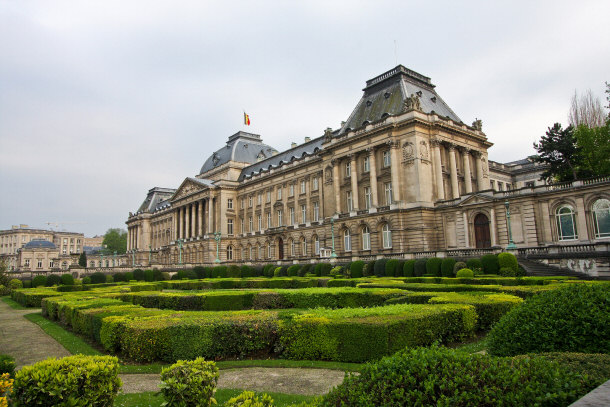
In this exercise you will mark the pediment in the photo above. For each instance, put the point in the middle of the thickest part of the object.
(476, 199)
(187, 188)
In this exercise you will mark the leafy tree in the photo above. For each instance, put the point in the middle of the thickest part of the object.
(115, 239)
(559, 150)
(595, 149)
(4, 277)
(82, 260)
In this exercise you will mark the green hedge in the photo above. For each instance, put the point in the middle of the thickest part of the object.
(490, 264)
(433, 266)
(419, 268)
(409, 268)
(29, 297)
(72, 381)
(189, 383)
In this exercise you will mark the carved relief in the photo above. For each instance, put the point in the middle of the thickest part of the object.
(423, 150)
(328, 134)
(411, 103)
(215, 159)
(187, 189)
(329, 174)
(408, 151)
(485, 167)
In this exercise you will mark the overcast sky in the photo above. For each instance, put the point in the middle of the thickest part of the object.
(101, 101)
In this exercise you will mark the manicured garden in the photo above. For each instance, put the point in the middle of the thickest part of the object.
(396, 315)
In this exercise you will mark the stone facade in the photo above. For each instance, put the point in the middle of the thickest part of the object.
(403, 175)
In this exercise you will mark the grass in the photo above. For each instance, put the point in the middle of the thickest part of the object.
(14, 305)
(151, 399)
(73, 343)
(476, 345)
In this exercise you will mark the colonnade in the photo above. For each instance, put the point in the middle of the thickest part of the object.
(194, 219)
(453, 170)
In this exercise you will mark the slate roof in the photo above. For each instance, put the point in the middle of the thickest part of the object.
(155, 197)
(241, 147)
(300, 151)
(39, 244)
(385, 94)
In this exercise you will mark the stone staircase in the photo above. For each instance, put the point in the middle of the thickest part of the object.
(535, 268)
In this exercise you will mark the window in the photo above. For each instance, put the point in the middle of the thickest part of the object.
(387, 161)
(279, 193)
(261, 252)
(315, 183)
(269, 252)
(348, 169)
(316, 245)
(367, 198)
(260, 223)
(259, 198)
(566, 226)
(303, 186)
(27, 262)
(242, 203)
(348, 200)
(492, 184)
(316, 211)
(229, 204)
(500, 186)
(366, 238)
(64, 250)
(250, 201)
(366, 165)
(292, 248)
(242, 225)
(386, 235)
(388, 193)
(268, 220)
(268, 195)
(304, 247)
(280, 214)
(250, 253)
(601, 218)
(39, 263)
(292, 220)
(229, 252)
(347, 240)
(52, 264)
(250, 224)
(303, 213)
(291, 190)
(229, 226)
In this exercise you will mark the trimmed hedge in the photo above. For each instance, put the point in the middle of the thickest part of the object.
(39, 281)
(433, 266)
(419, 268)
(508, 260)
(490, 264)
(71, 381)
(356, 268)
(465, 273)
(390, 267)
(53, 279)
(189, 383)
(409, 268)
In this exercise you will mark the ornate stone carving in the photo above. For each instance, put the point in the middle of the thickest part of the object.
(478, 124)
(215, 159)
(485, 168)
(187, 189)
(329, 174)
(423, 150)
(411, 103)
(408, 152)
(328, 134)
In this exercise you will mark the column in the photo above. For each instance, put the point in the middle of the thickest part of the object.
(181, 223)
(200, 213)
(492, 226)
(174, 235)
(373, 176)
(467, 175)
(336, 186)
(187, 222)
(210, 222)
(394, 166)
(479, 169)
(581, 221)
(466, 237)
(194, 219)
(128, 238)
(438, 169)
(354, 179)
(455, 191)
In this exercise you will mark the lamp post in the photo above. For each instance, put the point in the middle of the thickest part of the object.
(332, 234)
(180, 251)
(511, 244)
(217, 238)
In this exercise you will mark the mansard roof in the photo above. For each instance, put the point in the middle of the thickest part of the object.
(386, 94)
(241, 147)
(155, 198)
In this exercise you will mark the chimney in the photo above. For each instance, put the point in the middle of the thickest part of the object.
(307, 139)
(293, 144)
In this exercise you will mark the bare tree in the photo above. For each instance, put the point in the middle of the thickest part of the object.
(586, 109)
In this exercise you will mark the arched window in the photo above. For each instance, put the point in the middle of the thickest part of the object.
(347, 240)
(269, 253)
(366, 238)
(316, 245)
(601, 218)
(566, 225)
(386, 234)
(229, 252)
(249, 252)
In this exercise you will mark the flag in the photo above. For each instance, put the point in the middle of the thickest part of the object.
(246, 119)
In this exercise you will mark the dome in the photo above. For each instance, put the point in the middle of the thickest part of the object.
(39, 244)
(241, 147)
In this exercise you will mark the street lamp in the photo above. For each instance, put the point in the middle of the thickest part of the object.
(217, 238)
(511, 244)
(180, 251)
(332, 234)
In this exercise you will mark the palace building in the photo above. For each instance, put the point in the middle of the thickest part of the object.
(402, 177)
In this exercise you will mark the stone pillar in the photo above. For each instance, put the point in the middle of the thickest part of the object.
(181, 223)
(187, 219)
(194, 219)
(128, 238)
(394, 168)
(336, 186)
(581, 221)
(438, 170)
(373, 176)
(174, 234)
(467, 175)
(354, 179)
(479, 169)
(466, 237)
(200, 215)
(492, 227)
(210, 216)
(455, 189)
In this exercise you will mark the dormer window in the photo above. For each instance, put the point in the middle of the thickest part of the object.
(369, 103)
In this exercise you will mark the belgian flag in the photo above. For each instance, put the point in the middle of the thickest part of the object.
(246, 119)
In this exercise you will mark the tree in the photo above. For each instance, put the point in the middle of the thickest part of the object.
(558, 149)
(586, 110)
(4, 277)
(115, 239)
(595, 149)
(82, 260)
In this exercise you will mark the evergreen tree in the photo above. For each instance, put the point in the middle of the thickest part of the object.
(82, 260)
(559, 150)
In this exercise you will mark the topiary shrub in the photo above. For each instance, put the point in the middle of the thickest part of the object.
(67, 279)
(71, 381)
(200, 271)
(474, 264)
(7, 365)
(356, 268)
(27, 283)
(508, 260)
(250, 399)
(158, 275)
(325, 269)
(444, 377)
(4, 290)
(369, 269)
(118, 277)
(277, 272)
(233, 271)
(595, 366)
(507, 272)
(379, 269)
(458, 266)
(465, 273)
(247, 271)
(574, 318)
(398, 270)
(268, 270)
(15, 284)
(390, 267)
(420, 267)
(53, 279)
(149, 275)
(408, 269)
(97, 278)
(39, 281)
(86, 280)
(165, 275)
(293, 270)
(433, 266)
(447, 266)
(138, 275)
(109, 278)
(128, 276)
(189, 383)
(490, 264)
(305, 269)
